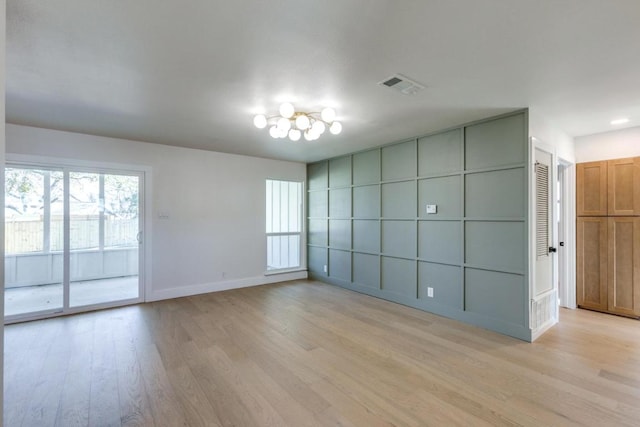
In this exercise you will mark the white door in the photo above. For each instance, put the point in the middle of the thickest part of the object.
(544, 250)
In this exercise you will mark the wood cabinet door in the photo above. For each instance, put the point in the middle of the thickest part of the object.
(592, 263)
(624, 266)
(591, 197)
(624, 186)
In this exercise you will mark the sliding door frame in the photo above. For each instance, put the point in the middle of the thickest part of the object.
(144, 220)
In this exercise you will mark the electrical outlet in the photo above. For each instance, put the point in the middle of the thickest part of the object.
(326, 270)
(432, 209)
(430, 292)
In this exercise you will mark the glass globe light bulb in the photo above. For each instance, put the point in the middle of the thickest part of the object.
(260, 121)
(284, 124)
(328, 114)
(287, 110)
(307, 136)
(318, 127)
(302, 122)
(336, 128)
(273, 131)
(294, 134)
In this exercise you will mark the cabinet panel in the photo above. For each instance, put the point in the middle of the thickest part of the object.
(591, 189)
(624, 266)
(624, 186)
(592, 263)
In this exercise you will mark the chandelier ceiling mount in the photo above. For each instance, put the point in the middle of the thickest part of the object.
(296, 124)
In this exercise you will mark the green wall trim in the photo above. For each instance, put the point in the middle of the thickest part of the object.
(506, 328)
(370, 226)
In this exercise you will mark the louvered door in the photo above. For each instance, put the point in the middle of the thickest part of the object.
(543, 222)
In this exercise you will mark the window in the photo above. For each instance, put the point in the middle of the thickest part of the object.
(284, 224)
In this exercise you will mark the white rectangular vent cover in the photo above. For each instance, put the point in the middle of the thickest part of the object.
(402, 84)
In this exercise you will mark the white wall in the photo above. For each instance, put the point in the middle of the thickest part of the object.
(550, 138)
(214, 237)
(543, 129)
(609, 145)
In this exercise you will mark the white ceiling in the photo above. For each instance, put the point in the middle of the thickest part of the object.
(194, 73)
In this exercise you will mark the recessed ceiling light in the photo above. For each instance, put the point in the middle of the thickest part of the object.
(620, 121)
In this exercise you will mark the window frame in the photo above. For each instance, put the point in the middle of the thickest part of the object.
(301, 233)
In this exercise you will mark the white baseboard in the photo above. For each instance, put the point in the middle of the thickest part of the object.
(205, 288)
(535, 334)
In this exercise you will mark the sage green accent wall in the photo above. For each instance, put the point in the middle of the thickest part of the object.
(368, 223)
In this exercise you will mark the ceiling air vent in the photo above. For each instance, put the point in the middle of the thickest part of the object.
(402, 84)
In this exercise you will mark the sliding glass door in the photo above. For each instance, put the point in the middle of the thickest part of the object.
(33, 241)
(72, 240)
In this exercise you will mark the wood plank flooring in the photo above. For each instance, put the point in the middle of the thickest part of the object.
(309, 354)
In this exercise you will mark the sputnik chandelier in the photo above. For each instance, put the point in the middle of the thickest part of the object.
(296, 124)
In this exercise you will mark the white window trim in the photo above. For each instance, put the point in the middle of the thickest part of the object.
(301, 234)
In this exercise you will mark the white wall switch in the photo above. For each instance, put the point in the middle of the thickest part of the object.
(432, 209)
(325, 268)
(430, 292)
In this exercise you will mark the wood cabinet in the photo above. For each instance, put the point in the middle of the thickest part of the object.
(608, 236)
(592, 263)
(623, 278)
(591, 189)
(623, 187)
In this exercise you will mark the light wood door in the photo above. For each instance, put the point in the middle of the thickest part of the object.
(591, 194)
(624, 266)
(592, 263)
(624, 187)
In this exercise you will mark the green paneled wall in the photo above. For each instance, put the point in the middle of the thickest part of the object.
(368, 223)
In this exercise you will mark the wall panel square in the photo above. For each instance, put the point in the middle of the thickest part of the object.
(495, 245)
(366, 236)
(399, 200)
(366, 270)
(340, 265)
(446, 282)
(318, 175)
(440, 241)
(399, 161)
(318, 204)
(495, 143)
(317, 258)
(366, 202)
(400, 277)
(340, 172)
(340, 233)
(366, 167)
(445, 193)
(440, 153)
(499, 194)
(399, 238)
(318, 232)
(340, 203)
(500, 296)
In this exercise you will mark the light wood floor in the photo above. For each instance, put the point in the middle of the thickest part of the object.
(305, 353)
